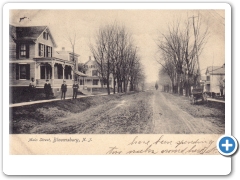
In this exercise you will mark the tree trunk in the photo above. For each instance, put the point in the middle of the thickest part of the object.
(124, 85)
(173, 87)
(114, 85)
(108, 88)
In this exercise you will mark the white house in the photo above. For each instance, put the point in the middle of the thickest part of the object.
(215, 79)
(93, 79)
(33, 57)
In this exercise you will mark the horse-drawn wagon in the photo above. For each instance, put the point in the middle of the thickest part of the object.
(198, 95)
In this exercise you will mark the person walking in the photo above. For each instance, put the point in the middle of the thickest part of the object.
(75, 89)
(64, 90)
(47, 89)
(156, 86)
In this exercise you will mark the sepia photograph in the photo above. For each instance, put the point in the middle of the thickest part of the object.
(117, 71)
(92, 86)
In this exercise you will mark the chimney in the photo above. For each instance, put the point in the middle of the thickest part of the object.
(63, 48)
(89, 57)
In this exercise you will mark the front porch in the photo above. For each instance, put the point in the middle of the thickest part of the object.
(55, 70)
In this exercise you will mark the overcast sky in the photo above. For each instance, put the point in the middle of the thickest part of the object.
(144, 25)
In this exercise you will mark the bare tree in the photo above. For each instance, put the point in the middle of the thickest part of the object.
(180, 48)
(116, 55)
(72, 39)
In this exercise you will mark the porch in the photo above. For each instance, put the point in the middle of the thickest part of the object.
(55, 70)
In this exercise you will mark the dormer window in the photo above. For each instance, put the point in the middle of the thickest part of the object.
(45, 35)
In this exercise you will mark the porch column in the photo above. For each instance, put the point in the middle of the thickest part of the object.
(83, 81)
(37, 72)
(52, 64)
(63, 65)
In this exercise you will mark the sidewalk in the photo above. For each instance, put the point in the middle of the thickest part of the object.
(50, 100)
(215, 100)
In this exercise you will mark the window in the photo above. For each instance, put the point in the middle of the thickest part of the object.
(81, 82)
(23, 71)
(94, 72)
(95, 82)
(208, 78)
(49, 51)
(23, 50)
(41, 50)
(86, 66)
(45, 35)
(45, 72)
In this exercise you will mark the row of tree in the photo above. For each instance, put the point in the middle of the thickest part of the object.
(116, 55)
(180, 48)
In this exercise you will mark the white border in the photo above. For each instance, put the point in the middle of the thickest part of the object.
(115, 165)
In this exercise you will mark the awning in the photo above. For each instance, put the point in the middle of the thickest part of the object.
(80, 74)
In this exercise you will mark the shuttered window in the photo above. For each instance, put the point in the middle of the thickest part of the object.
(23, 50)
(23, 71)
(49, 51)
(41, 50)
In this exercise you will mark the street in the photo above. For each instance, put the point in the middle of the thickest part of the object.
(170, 119)
(151, 112)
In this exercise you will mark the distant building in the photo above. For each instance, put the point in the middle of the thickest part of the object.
(93, 79)
(215, 79)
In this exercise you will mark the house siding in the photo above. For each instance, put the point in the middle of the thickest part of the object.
(12, 49)
(45, 42)
(32, 51)
(12, 75)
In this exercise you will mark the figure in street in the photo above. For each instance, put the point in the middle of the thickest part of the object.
(75, 89)
(64, 90)
(47, 89)
(156, 86)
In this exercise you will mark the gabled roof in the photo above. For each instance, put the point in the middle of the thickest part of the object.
(89, 61)
(216, 70)
(29, 33)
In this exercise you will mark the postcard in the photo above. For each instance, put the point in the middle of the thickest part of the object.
(104, 84)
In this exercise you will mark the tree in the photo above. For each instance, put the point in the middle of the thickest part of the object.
(116, 55)
(221, 83)
(180, 48)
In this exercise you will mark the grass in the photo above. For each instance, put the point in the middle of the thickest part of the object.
(98, 115)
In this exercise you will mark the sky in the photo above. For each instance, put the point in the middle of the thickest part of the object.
(145, 26)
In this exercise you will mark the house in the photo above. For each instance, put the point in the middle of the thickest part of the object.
(33, 57)
(215, 79)
(93, 79)
(70, 56)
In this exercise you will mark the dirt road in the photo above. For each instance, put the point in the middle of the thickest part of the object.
(168, 118)
(151, 112)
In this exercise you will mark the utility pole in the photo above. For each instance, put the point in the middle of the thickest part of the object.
(196, 49)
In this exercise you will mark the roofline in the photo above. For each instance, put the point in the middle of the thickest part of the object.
(74, 54)
(88, 61)
(49, 32)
